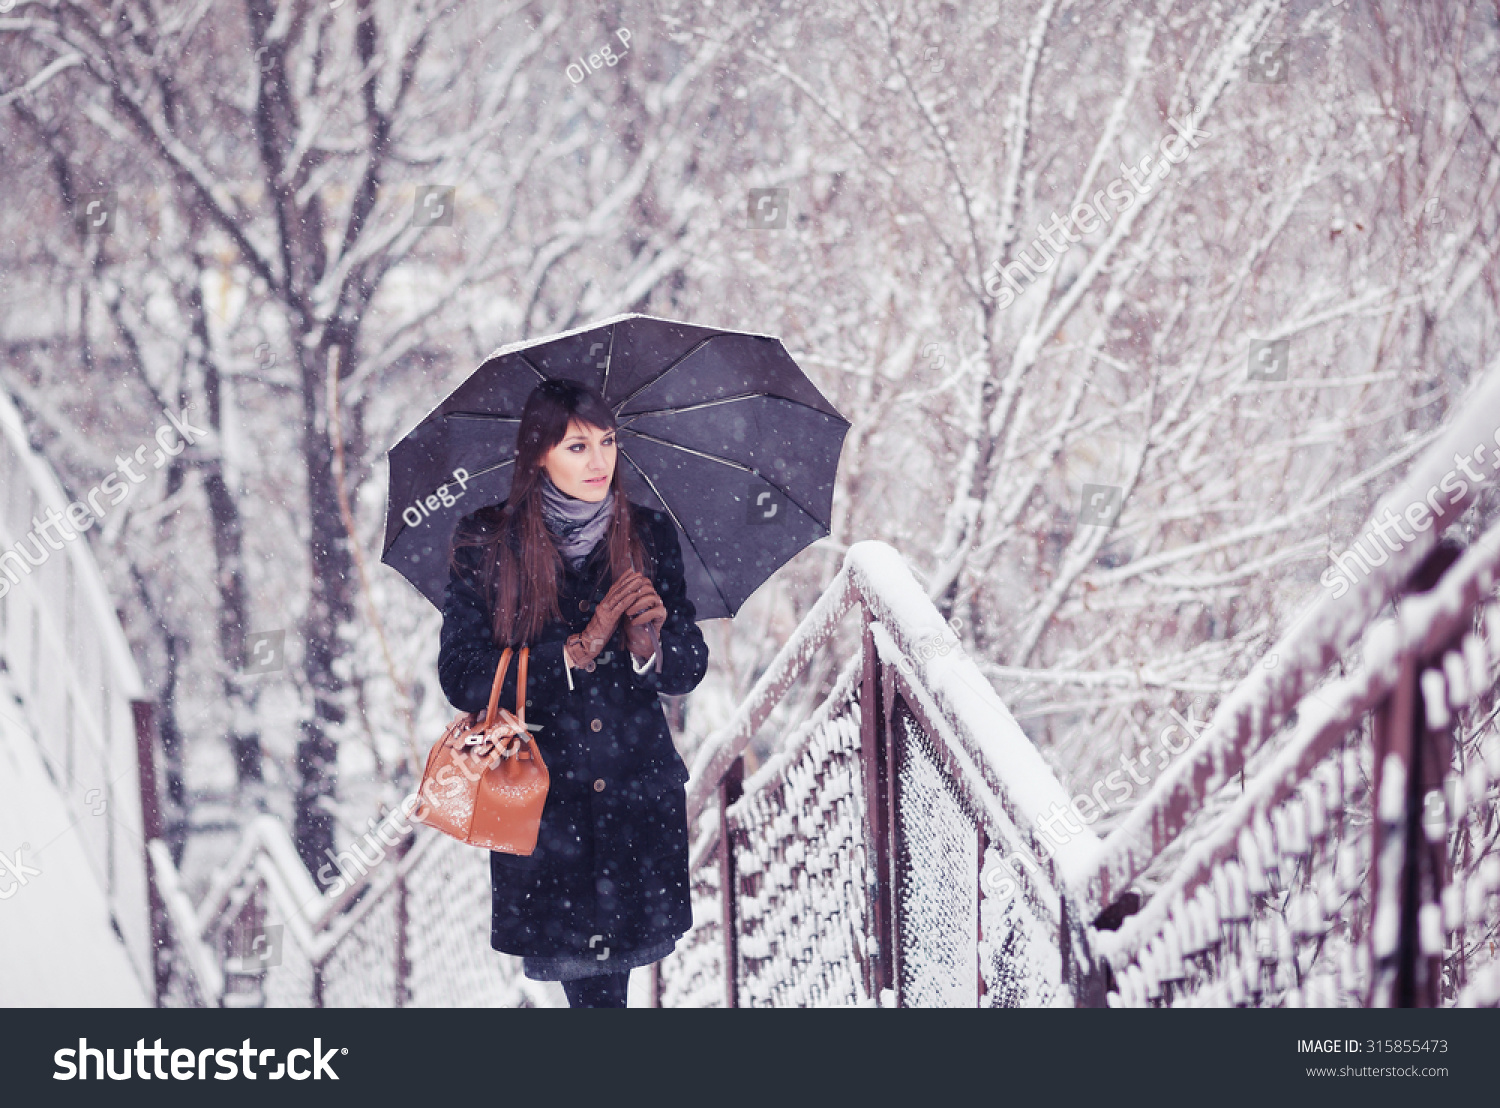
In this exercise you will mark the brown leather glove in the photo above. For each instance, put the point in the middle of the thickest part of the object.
(644, 623)
(624, 594)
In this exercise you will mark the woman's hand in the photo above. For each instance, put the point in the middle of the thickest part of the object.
(623, 594)
(511, 732)
(647, 615)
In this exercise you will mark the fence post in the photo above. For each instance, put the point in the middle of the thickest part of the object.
(877, 831)
(730, 789)
(1391, 782)
(1081, 972)
(1434, 756)
(144, 715)
(895, 847)
(1407, 873)
(317, 984)
(983, 841)
(403, 961)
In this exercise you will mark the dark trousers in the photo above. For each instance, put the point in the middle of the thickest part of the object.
(604, 990)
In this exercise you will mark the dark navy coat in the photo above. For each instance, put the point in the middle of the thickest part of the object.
(611, 862)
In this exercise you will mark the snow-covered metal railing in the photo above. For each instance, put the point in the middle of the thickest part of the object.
(1300, 851)
(405, 927)
(61, 640)
(856, 857)
(858, 864)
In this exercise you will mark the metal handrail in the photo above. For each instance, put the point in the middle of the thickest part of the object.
(876, 578)
(908, 653)
(1423, 625)
(1323, 633)
(267, 858)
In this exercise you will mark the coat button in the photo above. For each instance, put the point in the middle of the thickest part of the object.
(584, 605)
(599, 785)
(595, 724)
(590, 667)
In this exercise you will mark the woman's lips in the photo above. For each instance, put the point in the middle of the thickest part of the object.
(594, 481)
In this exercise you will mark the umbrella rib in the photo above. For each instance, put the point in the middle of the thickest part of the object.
(636, 415)
(724, 461)
(705, 404)
(700, 453)
(529, 364)
(647, 384)
(532, 365)
(678, 524)
(609, 361)
(731, 399)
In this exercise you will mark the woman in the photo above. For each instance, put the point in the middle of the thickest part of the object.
(568, 566)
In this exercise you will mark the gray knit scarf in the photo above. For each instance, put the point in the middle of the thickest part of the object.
(576, 525)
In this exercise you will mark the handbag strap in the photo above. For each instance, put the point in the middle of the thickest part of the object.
(489, 712)
(521, 685)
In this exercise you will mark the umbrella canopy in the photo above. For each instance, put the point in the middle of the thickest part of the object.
(719, 429)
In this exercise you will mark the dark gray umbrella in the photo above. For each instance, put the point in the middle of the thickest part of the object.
(719, 429)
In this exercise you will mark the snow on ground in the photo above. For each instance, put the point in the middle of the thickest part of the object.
(61, 948)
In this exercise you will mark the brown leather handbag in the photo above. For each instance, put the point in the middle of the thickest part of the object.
(485, 782)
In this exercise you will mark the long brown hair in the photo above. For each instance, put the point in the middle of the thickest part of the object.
(522, 567)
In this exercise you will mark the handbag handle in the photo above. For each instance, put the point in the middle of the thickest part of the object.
(489, 712)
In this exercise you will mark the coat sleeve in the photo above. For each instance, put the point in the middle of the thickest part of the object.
(684, 653)
(467, 656)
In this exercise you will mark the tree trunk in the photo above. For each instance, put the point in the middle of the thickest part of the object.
(330, 608)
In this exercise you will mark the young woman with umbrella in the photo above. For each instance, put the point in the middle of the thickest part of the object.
(594, 584)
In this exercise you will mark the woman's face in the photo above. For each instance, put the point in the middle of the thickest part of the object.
(583, 463)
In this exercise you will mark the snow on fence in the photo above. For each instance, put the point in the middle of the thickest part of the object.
(1276, 901)
(69, 660)
(1303, 850)
(853, 867)
(412, 932)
